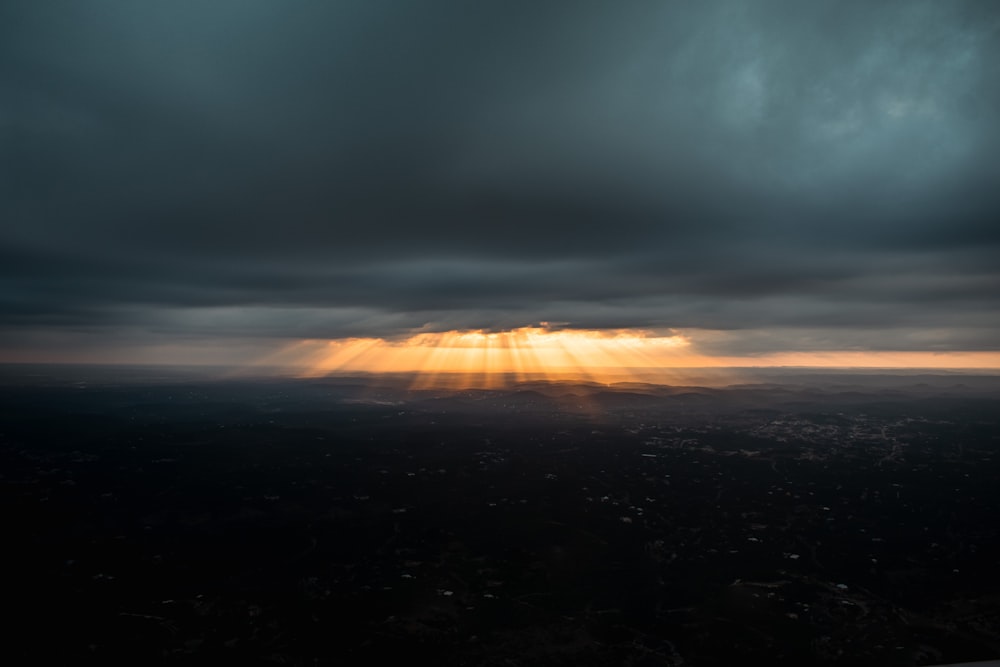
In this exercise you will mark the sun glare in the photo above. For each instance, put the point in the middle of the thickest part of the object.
(483, 358)
(459, 359)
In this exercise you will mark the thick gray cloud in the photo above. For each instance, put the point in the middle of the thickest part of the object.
(799, 175)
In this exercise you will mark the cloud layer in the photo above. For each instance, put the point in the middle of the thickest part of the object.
(787, 176)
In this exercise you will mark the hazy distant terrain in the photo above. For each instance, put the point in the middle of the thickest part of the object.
(168, 517)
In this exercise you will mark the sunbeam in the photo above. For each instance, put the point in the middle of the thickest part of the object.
(485, 359)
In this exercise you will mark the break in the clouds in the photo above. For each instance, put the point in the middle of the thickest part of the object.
(781, 175)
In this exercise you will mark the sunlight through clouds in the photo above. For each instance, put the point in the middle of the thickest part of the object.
(524, 353)
(490, 359)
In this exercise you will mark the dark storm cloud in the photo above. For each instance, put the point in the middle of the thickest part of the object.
(825, 173)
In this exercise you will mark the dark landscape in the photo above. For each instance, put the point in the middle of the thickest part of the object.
(164, 518)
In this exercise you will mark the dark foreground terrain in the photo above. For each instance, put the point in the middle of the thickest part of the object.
(821, 520)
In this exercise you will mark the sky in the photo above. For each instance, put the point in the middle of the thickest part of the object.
(191, 182)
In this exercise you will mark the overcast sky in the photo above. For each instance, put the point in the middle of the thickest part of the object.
(776, 175)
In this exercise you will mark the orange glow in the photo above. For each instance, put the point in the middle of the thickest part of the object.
(483, 358)
(486, 359)
(873, 359)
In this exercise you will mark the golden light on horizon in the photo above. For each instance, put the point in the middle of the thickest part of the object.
(481, 356)
(484, 358)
